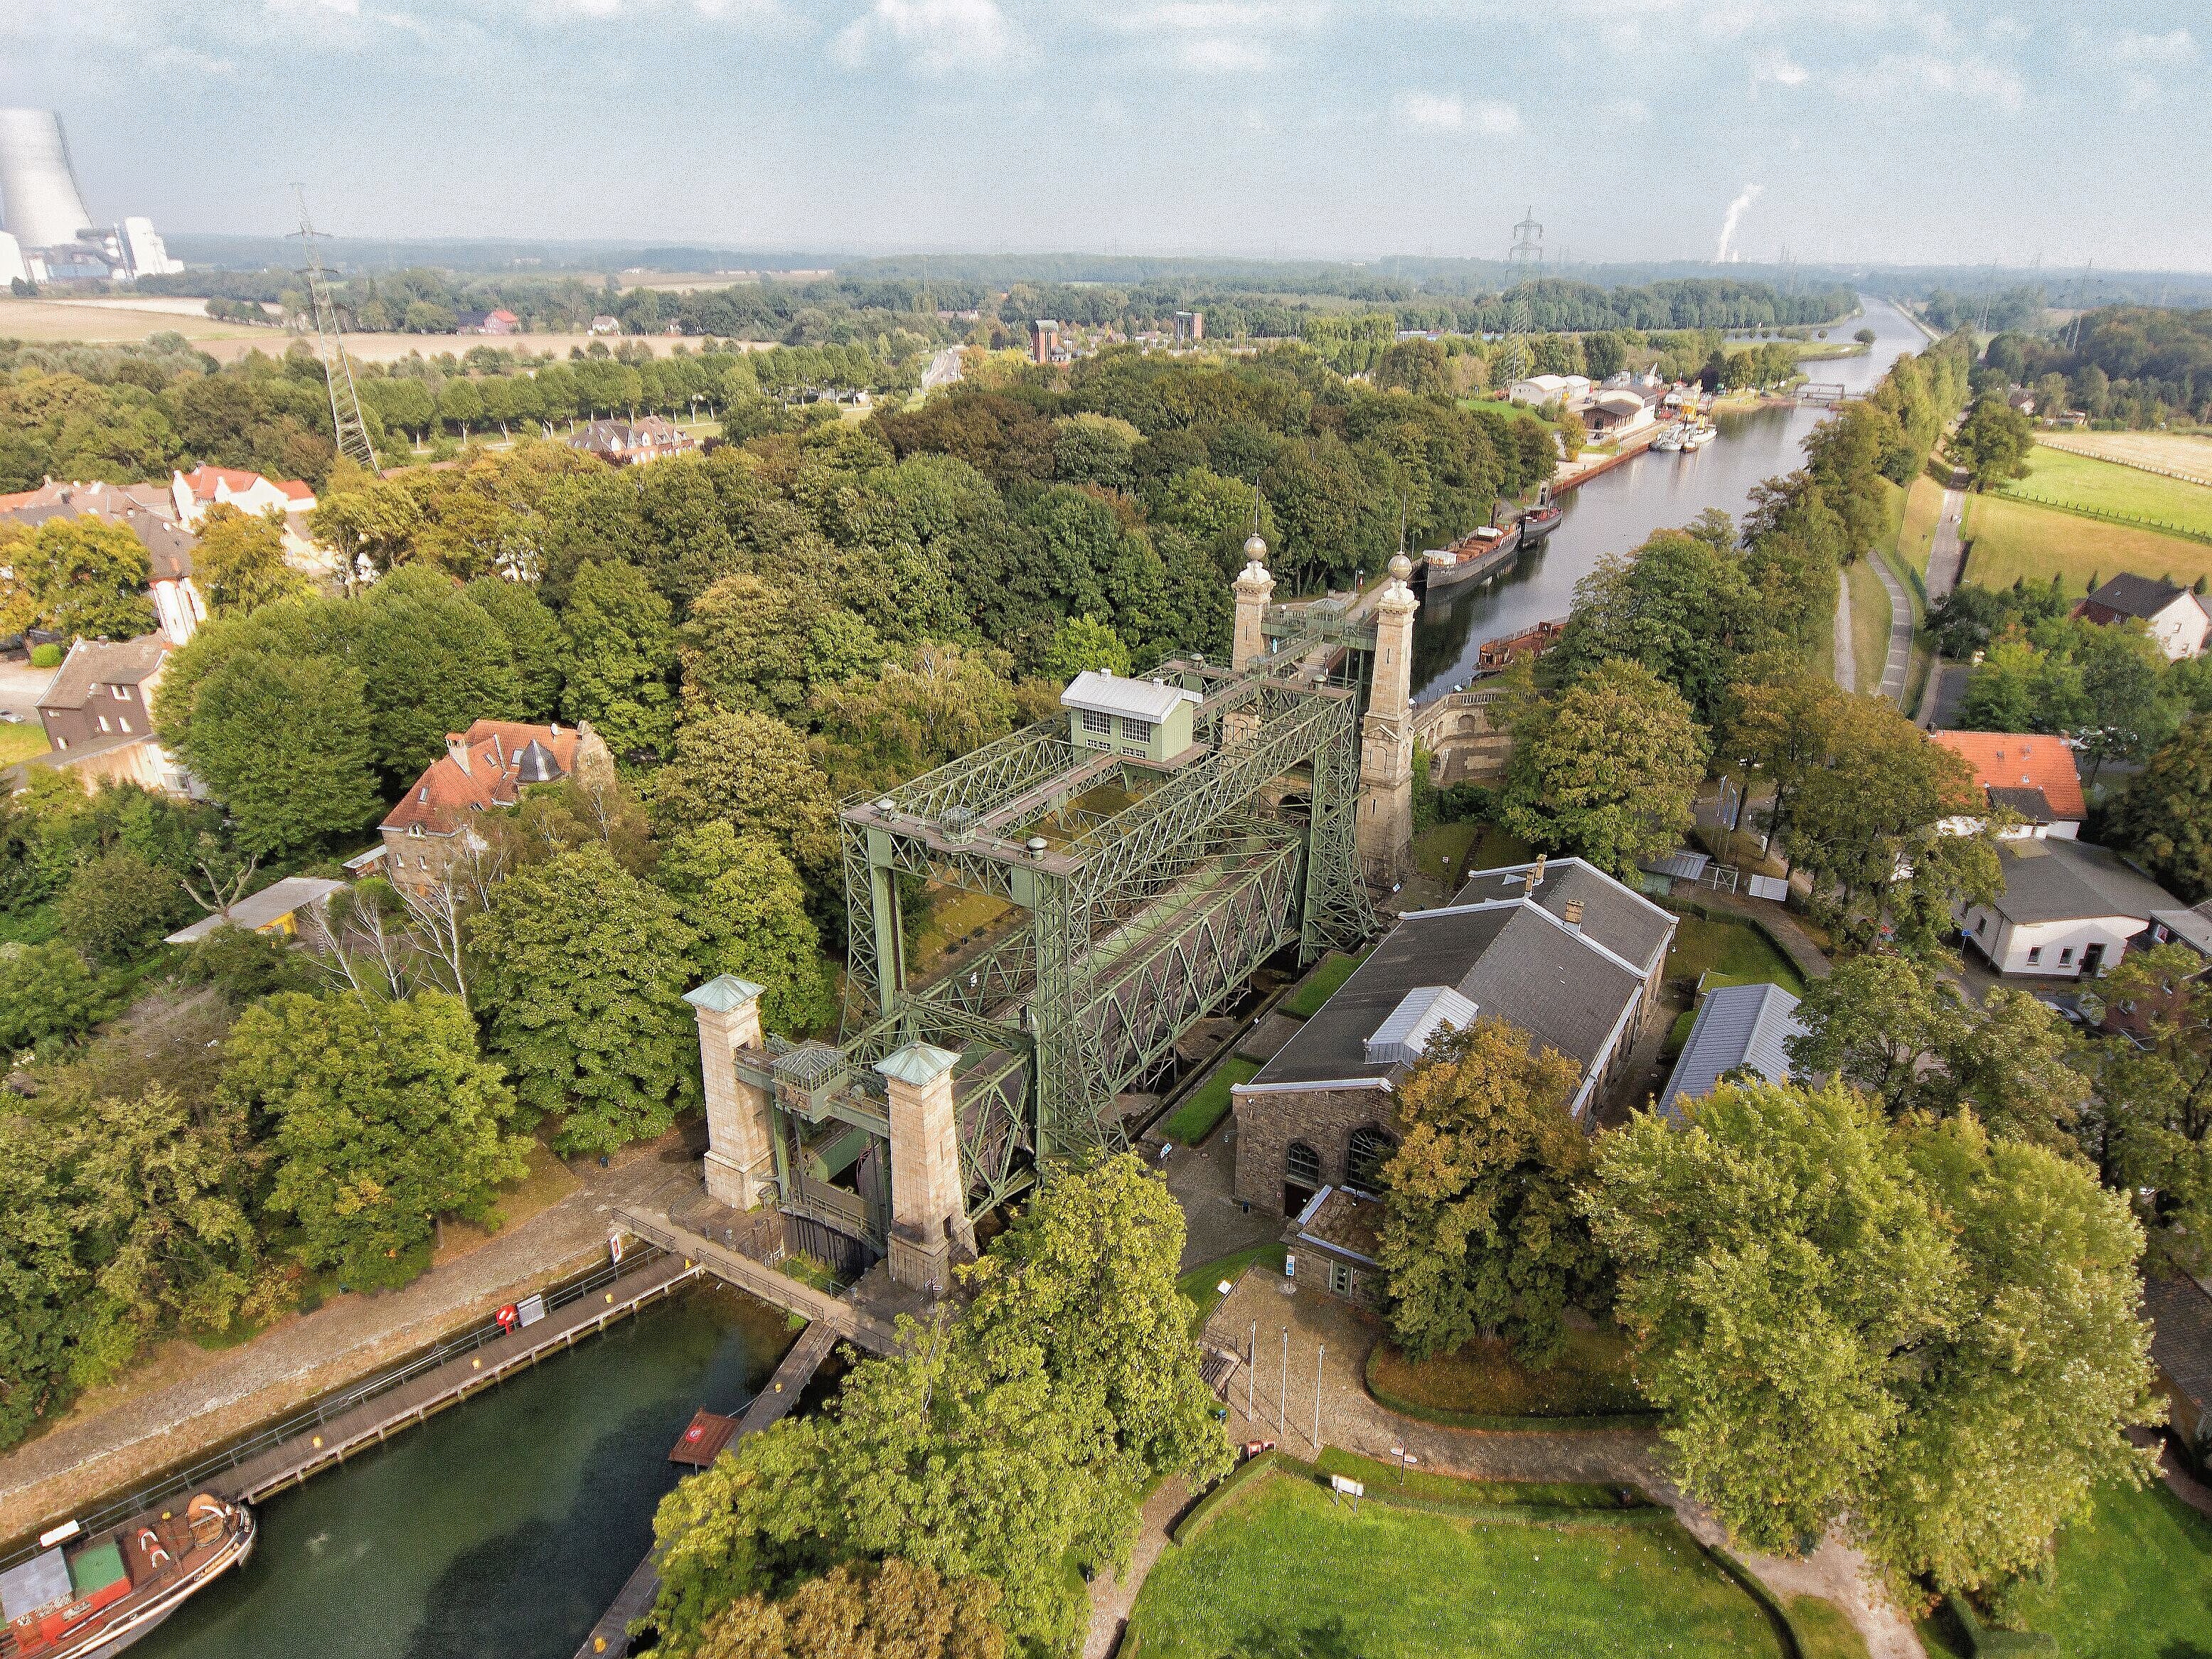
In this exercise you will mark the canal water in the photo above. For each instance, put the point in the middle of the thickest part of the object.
(500, 1529)
(1614, 512)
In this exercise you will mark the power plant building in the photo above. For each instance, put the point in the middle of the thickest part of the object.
(49, 233)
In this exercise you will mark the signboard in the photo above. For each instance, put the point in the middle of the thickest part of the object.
(530, 1309)
(1346, 1487)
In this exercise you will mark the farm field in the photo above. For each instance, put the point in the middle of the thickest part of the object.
(2054, 475)
(2012, 539)
(2174, 452)
(1283, 1569)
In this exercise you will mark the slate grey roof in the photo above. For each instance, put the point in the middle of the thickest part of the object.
(168, 545)
(2137, 596)
(2181, 1334)
(1116, 694)
(2029, 802)
(2193, 928)
(258, 910)
(1507, 957)
(1736, 1026)
(2058, 880)
(96, 662)
(1618, 917)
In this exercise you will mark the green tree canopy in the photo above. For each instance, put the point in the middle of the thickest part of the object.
(76, 577)
(384, 1118)
(2166, 815)
(1480, 1235)
(620, 648)
(585, 967)
(754, 773)
(1608, 769)
(742, 898)
(283, 742)
(238, 561)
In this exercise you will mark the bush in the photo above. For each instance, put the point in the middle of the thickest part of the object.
(118, 904)
(48, 992)
(47, 656)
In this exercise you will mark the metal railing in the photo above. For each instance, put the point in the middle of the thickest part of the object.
(320, 1414)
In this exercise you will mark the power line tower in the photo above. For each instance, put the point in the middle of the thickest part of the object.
(2081, 303)
(347, 425)
(1524, 262)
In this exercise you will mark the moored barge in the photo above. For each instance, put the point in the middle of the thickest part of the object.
(89, 1597)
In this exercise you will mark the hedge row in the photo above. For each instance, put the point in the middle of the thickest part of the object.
(1984, 1642)
(1443, 1416)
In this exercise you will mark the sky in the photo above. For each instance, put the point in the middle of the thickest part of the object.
(1926, 131)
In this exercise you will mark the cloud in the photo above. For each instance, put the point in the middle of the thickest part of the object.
(1902, 76)
(1449, 113)
(1783, 70)
(936, 36)
(1745, 198)
(2174, 47)
(1224, 54)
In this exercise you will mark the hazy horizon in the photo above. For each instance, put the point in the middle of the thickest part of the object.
(1850, 132)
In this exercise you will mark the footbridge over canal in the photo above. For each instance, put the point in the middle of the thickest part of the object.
(1136, 861)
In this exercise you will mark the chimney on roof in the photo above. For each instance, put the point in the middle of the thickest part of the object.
(1571, 913)
(1534, 878)
(456, 747)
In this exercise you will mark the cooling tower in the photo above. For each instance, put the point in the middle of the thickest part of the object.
(40, 205)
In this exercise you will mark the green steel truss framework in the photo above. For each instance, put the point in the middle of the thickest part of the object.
(1123, 928)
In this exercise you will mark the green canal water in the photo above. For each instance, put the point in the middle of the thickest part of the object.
(500, 1529)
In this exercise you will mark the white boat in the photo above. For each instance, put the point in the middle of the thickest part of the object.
(1698, 436)
(1669, 441)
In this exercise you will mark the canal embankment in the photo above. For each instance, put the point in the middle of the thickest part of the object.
(128, 1440)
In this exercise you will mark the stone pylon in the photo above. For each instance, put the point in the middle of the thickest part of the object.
(1254, 588)
(740, 1139)
(930, 1229)
(1385, 832)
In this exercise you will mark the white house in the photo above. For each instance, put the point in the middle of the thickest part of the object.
(204, 487)
(2174, 617)
(2027, 774)
(2067, 908)
(1567, 389)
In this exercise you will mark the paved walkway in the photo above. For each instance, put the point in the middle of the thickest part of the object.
(1312, 1353)
(1901, 633)
(1947, 555)
(109, 1449)
(1847, 666)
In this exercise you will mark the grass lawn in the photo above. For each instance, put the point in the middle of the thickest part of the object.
(1441, 850)
(1733, 952)
(2134, 1580)
(1207, 1105)
(1869, 623)
(2174, 452)
(952, 917)
(1916, 535)
(1824, 1630)
(1327, 977)
(2013, 539)
(20, 743)
(1201, 1284)
(2076, 480)
(1483, 1379)
(1284, 1570)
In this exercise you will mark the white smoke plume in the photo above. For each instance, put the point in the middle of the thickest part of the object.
(1749, 194)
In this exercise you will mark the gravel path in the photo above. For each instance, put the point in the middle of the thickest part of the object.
(105, 1450)
(1901, 633)
(1312, 1353)
(1946, 553)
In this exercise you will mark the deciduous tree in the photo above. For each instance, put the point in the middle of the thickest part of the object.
(620, 648)
(2165, 816)
(743, 898)
(238, 561)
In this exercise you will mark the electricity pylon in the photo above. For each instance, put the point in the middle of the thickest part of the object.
(350, 430)
(1523, 260)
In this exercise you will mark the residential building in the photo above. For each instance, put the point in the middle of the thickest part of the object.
(485, 322)
(1559, 950)
(604, 323)
(1738, 1028)
(98, 715)
(1616, 414)
(2067, 908)
(274, 909)
(2174, 616)
(434, 825)
(147, 511)
(204, 487)
(2027, 774)
(1145, 719)
(633, 443)
(2192, 928)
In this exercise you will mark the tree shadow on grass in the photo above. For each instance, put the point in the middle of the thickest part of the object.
(1278, 1638)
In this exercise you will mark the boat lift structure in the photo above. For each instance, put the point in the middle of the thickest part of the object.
(1135, 896)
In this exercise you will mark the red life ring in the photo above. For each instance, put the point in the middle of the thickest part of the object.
(156, 1555)
(507, 1316)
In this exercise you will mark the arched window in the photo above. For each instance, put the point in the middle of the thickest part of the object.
(1302, 1164)
(1369, 1151)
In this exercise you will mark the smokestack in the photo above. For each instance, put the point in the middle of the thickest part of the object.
(1534, 878)
(457, 747)
(1571, 913)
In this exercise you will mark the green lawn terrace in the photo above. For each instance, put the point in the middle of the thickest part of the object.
(1284, 1569)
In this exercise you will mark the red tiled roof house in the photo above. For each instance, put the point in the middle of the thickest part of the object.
(487, 769)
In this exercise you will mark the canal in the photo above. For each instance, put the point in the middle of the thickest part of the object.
(503, 1526)
(1615, 511)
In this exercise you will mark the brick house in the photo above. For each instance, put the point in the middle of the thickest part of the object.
(98, 713)
(489, 768)
(1558, 949)
(148, 513)
(633, 443)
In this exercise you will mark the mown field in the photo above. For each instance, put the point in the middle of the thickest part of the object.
(2012, 539)
(1285, 1570)
(2176, 452)
(2055, 476)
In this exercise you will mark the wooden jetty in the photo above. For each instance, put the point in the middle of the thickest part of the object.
(377, 1419)
(611, 1635)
